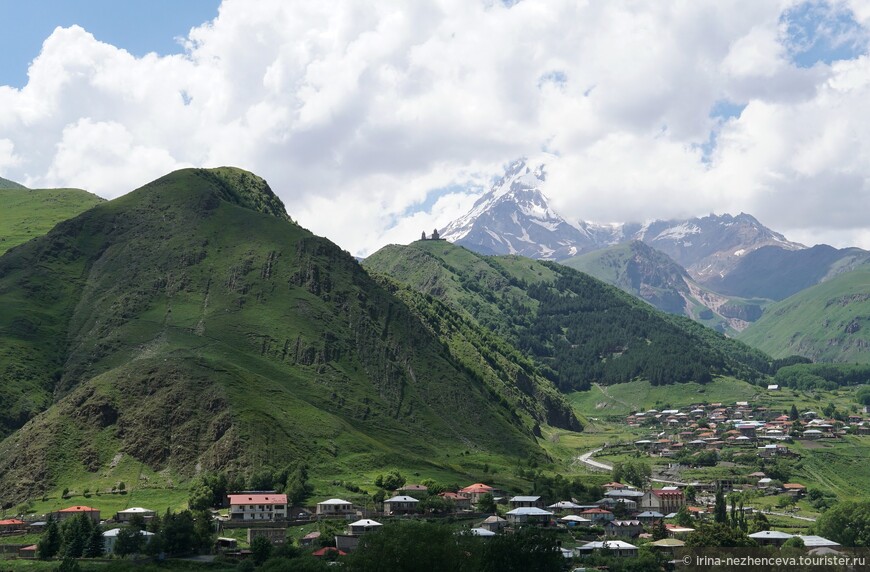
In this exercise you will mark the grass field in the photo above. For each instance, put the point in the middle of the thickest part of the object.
(30, 213)
(619, 400)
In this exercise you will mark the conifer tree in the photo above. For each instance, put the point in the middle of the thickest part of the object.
(49, 544)
(720, 512)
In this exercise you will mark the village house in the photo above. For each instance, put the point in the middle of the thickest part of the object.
(12, 526)
(475, 491)
(563, 507)
(612, 547)
(677, 531)
(650, 516)
(770, 537)
(494, 523)
(252, 506)
(796, 490)
(416, 489)
(663, 500)
(128, 513)
(623, 528)
(773, 450)
(27, 552)
(401, 504)
(334, 507)
(350, 540)
(597, 515)
(613, 485)
(572, 520)
(110, 537)
(65, 513)
(528, 515)
(525, 501)
(459, 502)
(362, 526)
(628, 494)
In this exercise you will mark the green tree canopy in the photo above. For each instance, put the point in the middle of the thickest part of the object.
(847, 523)
(261, 548)
(49, 543)
(130, 541)
(718, 534)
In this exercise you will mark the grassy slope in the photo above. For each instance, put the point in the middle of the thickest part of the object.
(828, 322)
(7, 184)
(30, 213)
(837, 466)
(651, 275)
(495, 292)
(185, 330)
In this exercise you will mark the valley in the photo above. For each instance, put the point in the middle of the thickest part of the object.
(191, 333)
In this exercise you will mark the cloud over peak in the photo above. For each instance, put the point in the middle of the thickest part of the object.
(373, 120)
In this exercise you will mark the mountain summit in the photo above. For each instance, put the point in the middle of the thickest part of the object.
(515, 217)
(189, 325)
(708, 247)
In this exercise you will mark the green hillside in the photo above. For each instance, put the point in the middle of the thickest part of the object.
(30, 213)
(7, 184)
(191, 325)
(651, 275)
(776, 273)
(576, 328)
(828, 322)
(640, 270)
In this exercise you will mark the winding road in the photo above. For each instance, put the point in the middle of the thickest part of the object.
(586, 459)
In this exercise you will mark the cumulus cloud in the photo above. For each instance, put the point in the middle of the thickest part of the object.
(375, 120)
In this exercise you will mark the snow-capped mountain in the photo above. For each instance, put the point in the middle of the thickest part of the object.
(708, 247)
(515, 217)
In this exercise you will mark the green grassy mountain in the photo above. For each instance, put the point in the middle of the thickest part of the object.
(827, 322)
(191, 325)
(7, 184)
(639, 269)
(30, 213)
(576, 328)
(777, 273)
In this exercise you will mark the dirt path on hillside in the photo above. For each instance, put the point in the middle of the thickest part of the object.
(603, 390)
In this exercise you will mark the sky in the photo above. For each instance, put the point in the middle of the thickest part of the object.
(374, 120)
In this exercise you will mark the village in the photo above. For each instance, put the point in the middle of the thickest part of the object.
(656, 515)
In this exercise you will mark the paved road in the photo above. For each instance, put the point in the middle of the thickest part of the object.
(808, 519)
(585, 458)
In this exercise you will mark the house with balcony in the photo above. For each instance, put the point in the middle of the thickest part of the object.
(256, 506)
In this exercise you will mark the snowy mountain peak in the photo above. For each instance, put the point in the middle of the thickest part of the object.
(515, 217)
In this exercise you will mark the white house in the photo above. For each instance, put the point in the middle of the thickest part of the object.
(614, 547)
(128, 513)
(334, 507)
(362, 526)
(528, 514)
(252, 506)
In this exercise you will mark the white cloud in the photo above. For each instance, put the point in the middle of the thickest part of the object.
(355, 111)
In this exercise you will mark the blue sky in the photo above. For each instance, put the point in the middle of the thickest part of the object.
(136, 26)
(375, 119)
